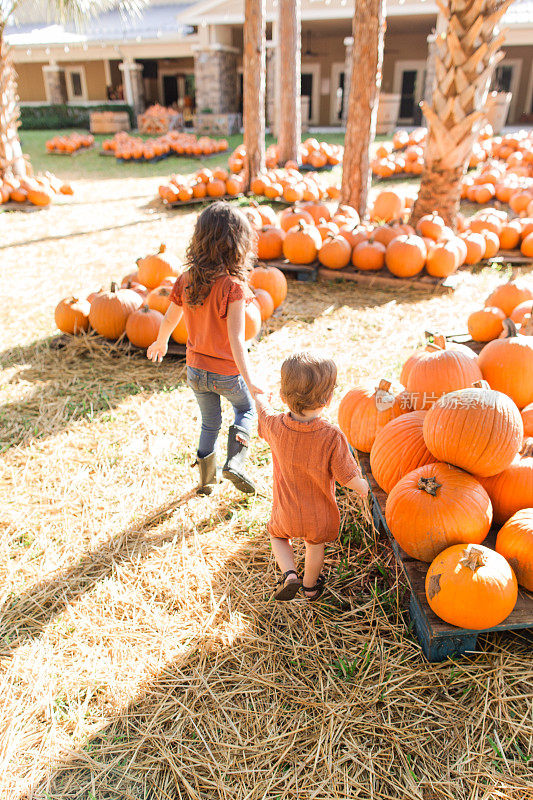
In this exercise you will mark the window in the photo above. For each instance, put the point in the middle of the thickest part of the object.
(76, 84)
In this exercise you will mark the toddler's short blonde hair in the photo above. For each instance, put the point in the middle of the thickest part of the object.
(307, 381)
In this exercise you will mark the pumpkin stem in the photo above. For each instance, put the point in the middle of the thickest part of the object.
(429, 485)
(527, 447)
(481, 385)
(162, 248)
(527, 325)
(509, 329)
(113, 287)
(439, 340)
(473, 558)
(144, 309)
(384, 385)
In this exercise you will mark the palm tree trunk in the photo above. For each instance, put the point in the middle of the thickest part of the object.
(365, 83)
(254, 76)
(290, 113)
(11, 158)
(467, 53)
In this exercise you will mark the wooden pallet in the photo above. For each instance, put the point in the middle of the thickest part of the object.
(174, 349)
(438, 639)
(384, 279)
(77, 152)
(196, 200)
(25, 207)
(510, 257)
(464, 338)
(302, 272)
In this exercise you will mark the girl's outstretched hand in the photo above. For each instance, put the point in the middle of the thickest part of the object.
(157, 351)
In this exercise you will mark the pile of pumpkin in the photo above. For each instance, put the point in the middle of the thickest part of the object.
(136, 307)
(290, 185)
(449, 446)
(506, 185)
(39, 190)
(133, 148)
(403, 156)
(310, 231)
(189, 145)
(69, 143)
(155, 120)
(508, 306)
(312, 153)
(204, 183)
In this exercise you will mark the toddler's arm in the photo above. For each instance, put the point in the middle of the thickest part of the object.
(359, 486)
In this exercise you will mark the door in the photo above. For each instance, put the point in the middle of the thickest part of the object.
(409, 84)
(306, 88)
(338, 98)
(507, 79)
(170, 89)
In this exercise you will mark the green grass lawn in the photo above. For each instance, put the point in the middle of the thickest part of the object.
(91, 164)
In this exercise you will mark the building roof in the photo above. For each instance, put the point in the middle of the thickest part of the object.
(153, 22)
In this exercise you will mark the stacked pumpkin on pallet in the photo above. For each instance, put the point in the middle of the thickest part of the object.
(204, 183)
(291, 186)
(128, 147)
(69, 143)
(508, 306)
(449, 450)
(136, 308)
(38, 190)
(313, 153)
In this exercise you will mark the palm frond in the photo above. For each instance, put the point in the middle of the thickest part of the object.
(63, 11)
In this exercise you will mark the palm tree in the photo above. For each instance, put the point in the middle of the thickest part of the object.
(466, 55)
(289, 52)
(11, 158)
(254, 68)
(365, 83)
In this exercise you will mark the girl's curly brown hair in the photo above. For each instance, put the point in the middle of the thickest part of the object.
(221, 243)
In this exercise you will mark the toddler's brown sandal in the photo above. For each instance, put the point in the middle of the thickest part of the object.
(288, 591)
(318, 588)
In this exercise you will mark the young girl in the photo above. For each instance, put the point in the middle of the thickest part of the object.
(309, 455)
(211, 295)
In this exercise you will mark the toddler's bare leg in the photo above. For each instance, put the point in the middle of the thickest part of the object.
(284, 555)
(314, 561)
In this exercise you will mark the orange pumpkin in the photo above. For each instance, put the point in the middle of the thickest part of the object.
(364, 410)
(436, 506)
(301, 244)
(512, 488)
(430, 226)
(369, 256)
(110, 311)
(72, 315)
(216, 187)
(159, 299)
(290, 217)
(387, 206)
(438, 370)
(515, 543)
(508, 295)
(405, 256)
(477, 429)
(142, 326)
(154, 268)
(272, 280)
(521, 311)
(335, 252)
(486, 324)
(399, 448)
(526, 248)
(442, 259)
(475, 247)
(527, 419)
(507, 365)
(471, 586)
(252, 321)
(270, 242)
(320, 211)
(265, 303)
(179, 334)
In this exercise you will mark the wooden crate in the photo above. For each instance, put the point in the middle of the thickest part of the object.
(175, 350)
(109, 121)
(384, 279)
(302, 272)
(438, 639)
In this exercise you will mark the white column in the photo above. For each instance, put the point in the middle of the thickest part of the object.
(133, 89)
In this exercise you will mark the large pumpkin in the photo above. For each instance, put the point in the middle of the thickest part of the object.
(72, 315)
(405, 256)
(440, 369)
(439, 343)
(301, 244)
(388, 205)
(142, 326)
(515, 543)
(369, 256)
(110, 311)
(152, 269)
(471, 586)
(477, 429)
(527, 419)
(270, 242)
(435, 506)
(272, 280)
(364, 410)
(509, 295)
(335, 252)
(512, 488)
(399, 448)
(507, 365)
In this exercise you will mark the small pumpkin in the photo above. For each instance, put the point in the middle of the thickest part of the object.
(471, 586)
(110, 311)
(442, 259)
(72, 315)
(154, 268)
(367, 408)
(435, 506)
(272, 280)
(512, 488)
(301, 244)
(159, 299)
(399, 448)
(142, 326)
(335, 252)
(508, 295)
(252, 321)
(507, 365)
(515, 543)
(291, 216)
(405, 256)
(521, 311)
(477, 429)
(388, 205)
(430, 226)
(486, 324)
(265, 303)
(369, 256)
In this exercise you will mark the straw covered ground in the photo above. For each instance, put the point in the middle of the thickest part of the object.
(141, 653)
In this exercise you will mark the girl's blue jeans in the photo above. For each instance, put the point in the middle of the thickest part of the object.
(208, 388)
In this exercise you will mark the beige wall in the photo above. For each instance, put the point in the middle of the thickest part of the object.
(523, 102)
(94, 78)
(30, 83)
